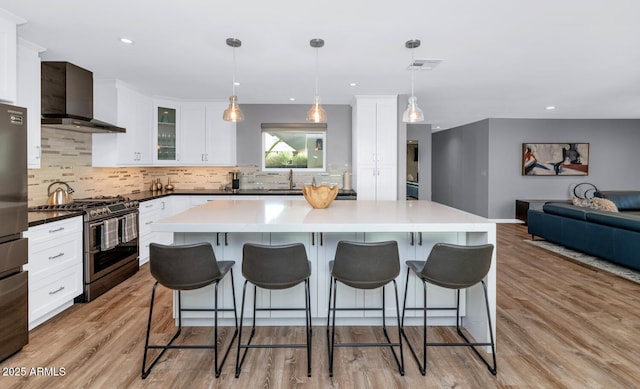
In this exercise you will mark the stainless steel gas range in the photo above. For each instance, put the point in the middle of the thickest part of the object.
(110, 241)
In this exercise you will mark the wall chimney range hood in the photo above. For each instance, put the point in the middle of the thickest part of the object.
(67, 99)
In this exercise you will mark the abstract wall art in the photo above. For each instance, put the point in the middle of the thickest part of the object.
(555, 159)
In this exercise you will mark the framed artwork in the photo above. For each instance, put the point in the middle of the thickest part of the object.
(555, 159)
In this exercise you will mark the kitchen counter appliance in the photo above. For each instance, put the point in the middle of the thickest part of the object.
(14, 290)
(110, 241)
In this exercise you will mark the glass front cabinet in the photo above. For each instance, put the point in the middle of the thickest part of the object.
(167, 117)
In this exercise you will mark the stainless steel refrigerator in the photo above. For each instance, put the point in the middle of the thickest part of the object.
(14, 291)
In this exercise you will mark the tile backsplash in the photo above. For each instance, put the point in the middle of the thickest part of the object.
(66, 156)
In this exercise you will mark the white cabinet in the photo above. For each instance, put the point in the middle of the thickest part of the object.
(206, 139)
(55, 268)
(29, 96)
(193, 120)
(115, 102)
(150, 212)
(8, 55)
(220, 137)
(375, 151)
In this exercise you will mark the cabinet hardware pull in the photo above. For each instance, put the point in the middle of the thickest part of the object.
(411, 235)
(56, 230)
(226, 242)
(321, 239)
(148, 206)
(56, 256)
(217, 239)
(147, 223)
(313, 239)
(420, 234)
(60, 289)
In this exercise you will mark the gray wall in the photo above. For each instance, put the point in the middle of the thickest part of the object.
(248, 132)
(491, 187)
(614, 158)
(460, 167)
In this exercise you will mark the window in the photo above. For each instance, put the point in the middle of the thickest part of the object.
(294, 146)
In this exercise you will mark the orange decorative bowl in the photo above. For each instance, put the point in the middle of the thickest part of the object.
(320, 196)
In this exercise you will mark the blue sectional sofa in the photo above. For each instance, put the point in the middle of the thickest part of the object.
(614, 236)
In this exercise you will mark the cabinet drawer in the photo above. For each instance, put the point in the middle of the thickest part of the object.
(149, 206)
(56, 255)
(48, 231)
(48, 293)
(146, 219)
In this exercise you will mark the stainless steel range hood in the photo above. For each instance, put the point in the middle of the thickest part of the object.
(67, 99)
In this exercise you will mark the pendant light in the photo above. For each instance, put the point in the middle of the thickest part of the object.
(233, 112)
(413, 113)
(316, 113)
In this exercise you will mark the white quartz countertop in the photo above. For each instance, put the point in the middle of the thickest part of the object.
(341, 216)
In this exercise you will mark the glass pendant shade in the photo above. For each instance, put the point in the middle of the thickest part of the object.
(233, 113)
(413, 113)
(316, 113)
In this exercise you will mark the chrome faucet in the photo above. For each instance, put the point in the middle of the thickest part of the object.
(291, 183)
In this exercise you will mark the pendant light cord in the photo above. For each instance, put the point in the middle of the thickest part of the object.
(317, 71)
(412, 69)
(233, 85)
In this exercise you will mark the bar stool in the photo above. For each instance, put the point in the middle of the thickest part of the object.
(364, 266)
(453, 267)
(274, 268)
(188, 267)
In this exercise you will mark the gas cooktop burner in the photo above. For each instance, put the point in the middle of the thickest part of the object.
(100, 205)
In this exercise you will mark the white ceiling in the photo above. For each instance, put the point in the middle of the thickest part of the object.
(502, 58)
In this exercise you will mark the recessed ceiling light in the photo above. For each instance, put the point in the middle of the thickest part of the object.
(292, 99)
(126, 40)
(352, 84)
(550, 108)
(236, 83)
(437, 127)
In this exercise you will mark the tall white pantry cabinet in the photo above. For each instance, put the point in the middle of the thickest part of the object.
(375, 147)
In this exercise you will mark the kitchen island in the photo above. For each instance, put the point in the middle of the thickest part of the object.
(415, 225)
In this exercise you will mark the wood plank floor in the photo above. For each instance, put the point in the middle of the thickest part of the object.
(559, 324)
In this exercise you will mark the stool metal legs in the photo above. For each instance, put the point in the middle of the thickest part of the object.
(331, 331)
(218, 368)
(248, 345)
(423, 365)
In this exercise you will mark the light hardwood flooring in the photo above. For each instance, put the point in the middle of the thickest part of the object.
(559, 324)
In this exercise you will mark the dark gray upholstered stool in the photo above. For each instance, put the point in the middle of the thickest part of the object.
(188, 267)
(452, 267)
(273, 268)
(364, 266)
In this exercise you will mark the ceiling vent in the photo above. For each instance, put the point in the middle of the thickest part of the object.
(423, 64)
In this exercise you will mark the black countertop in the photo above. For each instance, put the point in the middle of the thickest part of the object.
(41, 217)
(150, 195)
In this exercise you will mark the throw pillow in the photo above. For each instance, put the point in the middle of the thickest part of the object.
(604, 204)
(578, 202)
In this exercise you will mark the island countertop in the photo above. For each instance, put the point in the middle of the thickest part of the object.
(341, 216)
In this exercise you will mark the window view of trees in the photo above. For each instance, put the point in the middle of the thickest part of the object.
(293, 148)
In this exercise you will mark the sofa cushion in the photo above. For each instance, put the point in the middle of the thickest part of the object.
(567, 210)
(625, 200)
(619, 220)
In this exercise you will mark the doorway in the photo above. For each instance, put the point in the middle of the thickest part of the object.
(412, 181)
